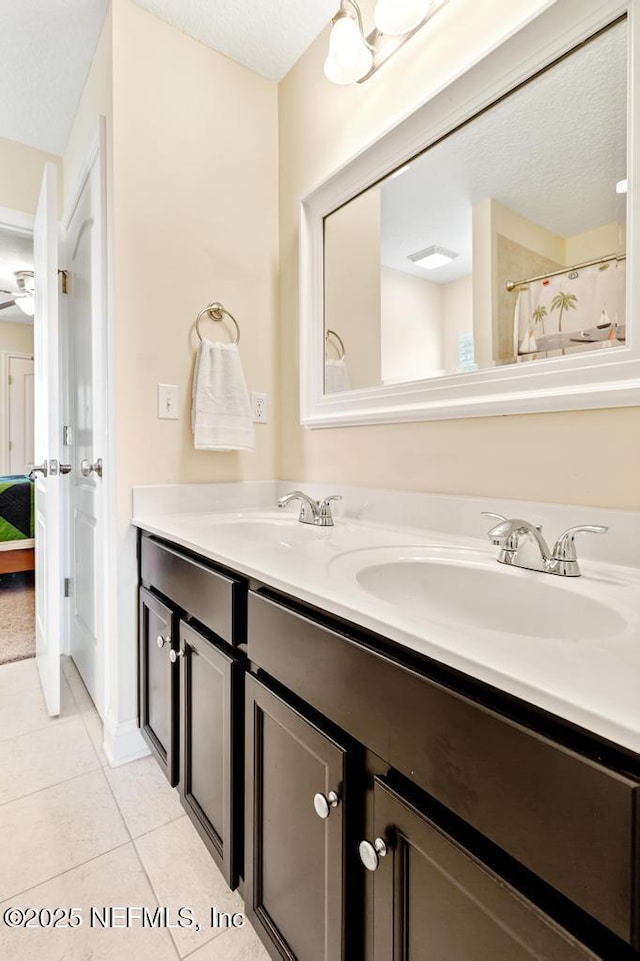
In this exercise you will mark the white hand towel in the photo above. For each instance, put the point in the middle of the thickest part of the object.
(221, 410)
(336, 376)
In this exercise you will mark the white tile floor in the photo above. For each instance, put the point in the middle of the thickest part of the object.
(75, 833)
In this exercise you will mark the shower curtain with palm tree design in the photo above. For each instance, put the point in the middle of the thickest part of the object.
(584, 310)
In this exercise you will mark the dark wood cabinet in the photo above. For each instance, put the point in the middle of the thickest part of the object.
(192, 620)
(158, 682)
(492, 830)
(295, 856)
(433, 901)
(211, 747)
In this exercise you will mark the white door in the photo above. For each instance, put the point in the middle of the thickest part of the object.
(21, 419)
(84, 319)
(47, 441)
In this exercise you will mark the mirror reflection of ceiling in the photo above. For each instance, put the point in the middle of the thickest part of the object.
(16, 253)
(546, 174)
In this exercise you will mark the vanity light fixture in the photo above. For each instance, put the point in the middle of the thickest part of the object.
(433, 257)
(354, 56)
(621, 186)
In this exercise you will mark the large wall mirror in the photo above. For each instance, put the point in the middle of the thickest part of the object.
(488, 271)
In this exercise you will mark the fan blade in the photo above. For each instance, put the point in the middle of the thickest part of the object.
(7, 303)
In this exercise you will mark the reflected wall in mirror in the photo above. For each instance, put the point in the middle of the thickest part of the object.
(504, 243)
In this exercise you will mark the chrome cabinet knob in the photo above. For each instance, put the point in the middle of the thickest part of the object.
(161, 641)
(174, 655)
(370, 854)
(324, 803)
(87, 468)
(42, 468)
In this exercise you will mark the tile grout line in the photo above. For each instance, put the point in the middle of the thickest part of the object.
(48, 787)
(139, 859)
(155, 894)
(34, 730)
(73, 867)
(173, 941)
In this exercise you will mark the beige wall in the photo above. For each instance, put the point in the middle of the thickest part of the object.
(352, 286)
(458, 318)
(21, 175)
(576, 457)
(195, 216)
(412, 322)
(608, 239)
(16, 337)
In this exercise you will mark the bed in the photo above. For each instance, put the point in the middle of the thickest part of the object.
(16, 524)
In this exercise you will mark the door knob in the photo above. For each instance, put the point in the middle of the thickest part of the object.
(174, 655)
(65, 468)
(42, 468)
(370, 854)
(324, 803)
(87, 468)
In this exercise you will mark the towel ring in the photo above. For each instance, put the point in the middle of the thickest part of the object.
(217, 312)
(332, 333)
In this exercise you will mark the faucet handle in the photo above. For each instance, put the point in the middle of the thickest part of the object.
(565, 546)
(324, 504)
(496, 517)
(495, 536)
(324, 510)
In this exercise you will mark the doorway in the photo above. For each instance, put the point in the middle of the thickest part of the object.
(17, 554)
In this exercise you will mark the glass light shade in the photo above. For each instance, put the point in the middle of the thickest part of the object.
(26, 304)
(395, 17)
(349, 59)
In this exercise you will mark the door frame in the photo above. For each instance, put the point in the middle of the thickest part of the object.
(105, 426)
(6, 357)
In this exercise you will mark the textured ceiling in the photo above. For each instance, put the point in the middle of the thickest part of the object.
(16, 253)
(46, 48)
(552, 152)
(267, 36)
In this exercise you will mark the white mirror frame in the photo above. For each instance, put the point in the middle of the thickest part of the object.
(599, 379)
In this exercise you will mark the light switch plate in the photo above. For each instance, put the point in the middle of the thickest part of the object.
(168, 401)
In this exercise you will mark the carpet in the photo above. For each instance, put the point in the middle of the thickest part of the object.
(17, 617)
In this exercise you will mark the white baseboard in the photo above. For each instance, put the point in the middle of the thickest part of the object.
(124, 744)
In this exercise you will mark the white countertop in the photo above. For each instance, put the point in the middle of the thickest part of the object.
(593, 682)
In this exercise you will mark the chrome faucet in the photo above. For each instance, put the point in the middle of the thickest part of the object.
(313, 512)
(507, 534)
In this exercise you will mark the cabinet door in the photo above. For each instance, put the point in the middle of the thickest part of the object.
(210, 758)
(433, 901)
(294, 855)
(158, 681)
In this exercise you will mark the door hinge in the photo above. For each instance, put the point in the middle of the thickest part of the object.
(10, 380)
(67, 436)
(10, 445)
(64, 274)
(67, 587)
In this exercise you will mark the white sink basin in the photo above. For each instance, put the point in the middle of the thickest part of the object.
(257, 529)
(466, 588)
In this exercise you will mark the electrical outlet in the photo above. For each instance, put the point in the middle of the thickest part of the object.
(259, 408)
(168, 401)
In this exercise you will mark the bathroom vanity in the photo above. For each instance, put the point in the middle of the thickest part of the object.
(372, 801)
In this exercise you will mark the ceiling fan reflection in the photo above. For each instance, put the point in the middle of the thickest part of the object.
(23, 296)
